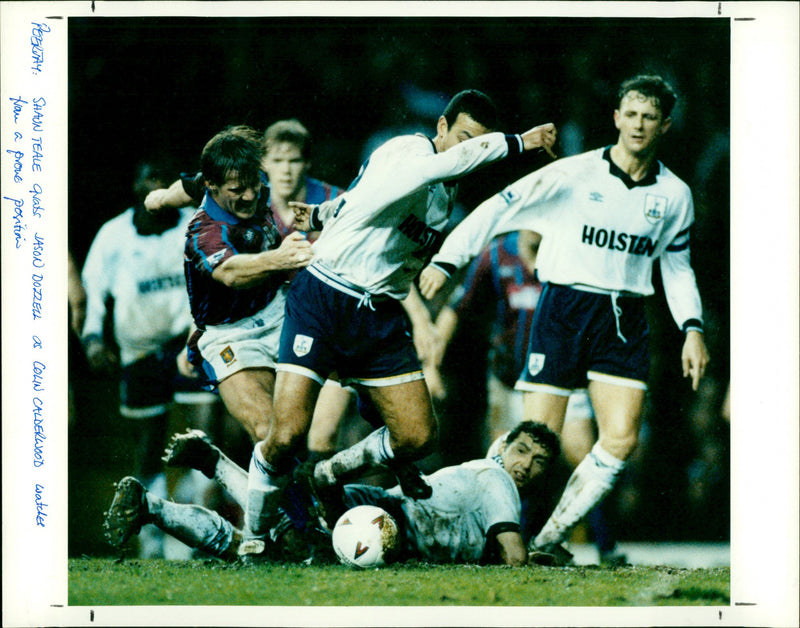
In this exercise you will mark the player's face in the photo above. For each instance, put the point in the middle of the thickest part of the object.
(640, 123)
(525, 460)
(462, 129)
(235, 197)
(286, 169)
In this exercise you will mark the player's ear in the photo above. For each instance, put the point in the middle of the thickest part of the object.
(665, 125)
(442, 127)
(616, 118)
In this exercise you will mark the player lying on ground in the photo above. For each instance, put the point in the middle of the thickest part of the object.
(473, 514)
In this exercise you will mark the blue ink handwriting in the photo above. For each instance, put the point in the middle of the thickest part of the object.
(18, 102)
(40, 505)
(38, 432)
(36, 305)
(37, 45)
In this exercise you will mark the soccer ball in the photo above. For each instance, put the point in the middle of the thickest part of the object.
(366, 537)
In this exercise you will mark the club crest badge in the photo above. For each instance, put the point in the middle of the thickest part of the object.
(227, 355)
(535, 363)
(302, 345)
(655, 207)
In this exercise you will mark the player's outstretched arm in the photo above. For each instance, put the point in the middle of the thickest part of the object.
(431, 281)
(249, 269)
(694, 357)
(542, 136)
(173, 197)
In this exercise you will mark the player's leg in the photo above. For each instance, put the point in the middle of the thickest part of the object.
(333, 404)
(410, 433)
(273, 458)
(134, 506)
(618, 410)
(247, 394)
(546, 407)
(193, 449)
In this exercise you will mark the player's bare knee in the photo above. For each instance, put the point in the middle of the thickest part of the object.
(621, 447)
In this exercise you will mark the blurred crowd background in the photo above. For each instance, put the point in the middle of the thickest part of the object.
(144, 88)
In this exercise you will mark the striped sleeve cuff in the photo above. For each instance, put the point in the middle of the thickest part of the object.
(444, 267)
(515, 145)
(693, 324)
(314, 223)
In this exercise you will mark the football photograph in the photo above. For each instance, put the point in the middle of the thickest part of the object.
(389, 313)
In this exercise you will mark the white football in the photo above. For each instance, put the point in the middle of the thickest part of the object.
(365, 537)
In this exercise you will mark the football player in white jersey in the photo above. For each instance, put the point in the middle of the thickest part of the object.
(134, 284)
(473, 514)
(343, 313)
(605, 216)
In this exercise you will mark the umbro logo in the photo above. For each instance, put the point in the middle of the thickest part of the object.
(596, 197)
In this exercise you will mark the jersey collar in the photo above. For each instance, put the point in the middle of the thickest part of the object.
(615, 170)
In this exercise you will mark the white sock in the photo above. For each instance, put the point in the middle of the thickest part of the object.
(372, 450)
(591, 481)
(232, 478)
(264, 487)
(195, 526)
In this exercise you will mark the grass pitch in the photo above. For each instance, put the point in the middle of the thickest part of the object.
(129, 582)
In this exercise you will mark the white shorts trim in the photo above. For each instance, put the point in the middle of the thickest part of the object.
(195, 398)
(544, 388)
(143, 413)
(616, 380)
(380, 382)
(251, 342)
(301, 370)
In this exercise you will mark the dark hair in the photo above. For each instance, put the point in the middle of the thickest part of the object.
(291, 131)
(540, 433)
(650, 86)
(475, 104)
(152, 173)
(236, 149)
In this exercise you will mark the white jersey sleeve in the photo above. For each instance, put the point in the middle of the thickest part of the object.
(98, 272)
(680, 285)
(522, 205)
(378, 235)
(599, 230)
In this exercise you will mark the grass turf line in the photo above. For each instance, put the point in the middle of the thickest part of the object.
(130, 582)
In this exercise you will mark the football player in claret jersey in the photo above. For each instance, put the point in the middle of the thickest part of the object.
(605, 217)
(344, 313)
(472, 516)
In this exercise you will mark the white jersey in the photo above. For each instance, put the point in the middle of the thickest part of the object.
(144, 275)
(598, 233)
(379, 234)
(468, 500)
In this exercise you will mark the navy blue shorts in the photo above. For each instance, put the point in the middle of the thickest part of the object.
(327, 330)
(575, 338)
(150, 384)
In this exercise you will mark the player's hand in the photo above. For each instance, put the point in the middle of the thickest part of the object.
(154, 201)
(302, 215)
(542, 136)
(434, 381)
(431, 281)
(294, 252)
(100, 358)
(186, 368)
(694, 357)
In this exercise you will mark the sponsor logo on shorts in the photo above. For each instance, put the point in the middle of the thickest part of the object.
(227, 355)
(302, 345)
(535, 363)
(654, 207)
